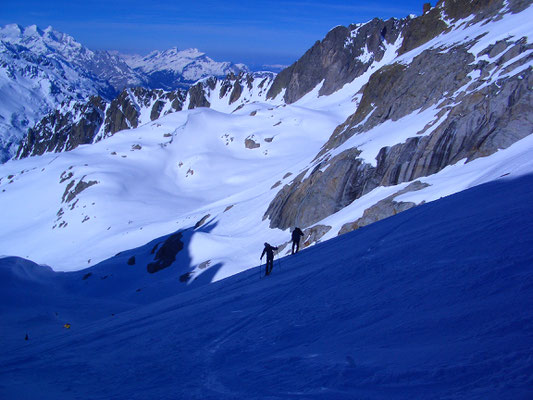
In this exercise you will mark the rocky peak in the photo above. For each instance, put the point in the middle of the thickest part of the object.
(347, 52)
(343, 55)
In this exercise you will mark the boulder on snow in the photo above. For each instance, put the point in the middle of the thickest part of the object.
(249, 143)
(202, 221)
(384, 208)
(166, 254)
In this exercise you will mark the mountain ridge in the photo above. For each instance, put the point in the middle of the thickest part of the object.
(41, 69)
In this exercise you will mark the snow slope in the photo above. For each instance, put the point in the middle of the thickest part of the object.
(432, 303)
(168, 174)
(189, 164)
(226, 164)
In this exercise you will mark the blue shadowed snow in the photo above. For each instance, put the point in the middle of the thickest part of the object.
(435, 302)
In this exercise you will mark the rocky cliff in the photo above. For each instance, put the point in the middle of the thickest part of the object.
(77, 123)
(347, 52)
(479, 97)
(343, 55)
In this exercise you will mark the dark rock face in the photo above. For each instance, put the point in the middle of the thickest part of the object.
(249, 143)
(428, 26)
(61, 132)
(233, 87)
(235, 93)
(166, 254)
(422, 29)
(306, 201)
(197, 97)
(72, 191)
(397, 90)
(338, 59)
(85, 123)
(123, 114)
(202, 221)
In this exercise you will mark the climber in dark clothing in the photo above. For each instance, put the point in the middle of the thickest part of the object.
(296, 235)
(269, 250)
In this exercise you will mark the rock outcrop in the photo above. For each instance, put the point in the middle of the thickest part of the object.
(77, 123)
(166, 254)
(384, 208)
(63, 130)
(482, 104)
(344, 54)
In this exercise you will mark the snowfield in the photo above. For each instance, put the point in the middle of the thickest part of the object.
(168, 174)
(223, 166)
(432, 303)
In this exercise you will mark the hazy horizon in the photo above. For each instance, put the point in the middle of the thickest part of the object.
(265, 32)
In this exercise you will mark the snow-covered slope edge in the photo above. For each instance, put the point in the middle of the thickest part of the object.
(432, 303)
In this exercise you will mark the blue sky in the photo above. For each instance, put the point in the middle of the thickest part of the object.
(253, 32)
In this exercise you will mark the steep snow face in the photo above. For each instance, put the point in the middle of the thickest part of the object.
(433, 303)
(173, 68)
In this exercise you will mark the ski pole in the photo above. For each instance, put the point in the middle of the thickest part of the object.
(260, 262)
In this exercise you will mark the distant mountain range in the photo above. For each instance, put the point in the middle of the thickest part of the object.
(172, 68)
(41, 69)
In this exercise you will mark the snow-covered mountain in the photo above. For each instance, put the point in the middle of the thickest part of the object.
(424, 107)
(77, 123)
(172, 68)
(434, 303)
(40, 70)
